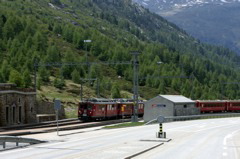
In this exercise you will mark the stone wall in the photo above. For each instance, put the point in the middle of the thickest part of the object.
(17, 107)
(47, 107)
(1, 110)
(30, 109)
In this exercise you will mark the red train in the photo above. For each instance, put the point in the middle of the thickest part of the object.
(211, 106)
(101, 109)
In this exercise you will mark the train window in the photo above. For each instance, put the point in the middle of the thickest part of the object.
(101, 107)
(89, 107)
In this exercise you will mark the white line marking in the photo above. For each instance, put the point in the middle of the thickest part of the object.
(224, 154)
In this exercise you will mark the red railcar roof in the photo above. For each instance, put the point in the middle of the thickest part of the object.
(211, 101)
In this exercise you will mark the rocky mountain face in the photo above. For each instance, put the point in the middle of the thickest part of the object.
(174, 6)
(211, 21)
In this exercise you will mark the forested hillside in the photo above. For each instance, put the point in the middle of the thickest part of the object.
(47, 31)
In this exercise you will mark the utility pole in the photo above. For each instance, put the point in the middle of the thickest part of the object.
(135, 84)
(35, 75)
(88, 64)
(88, 79)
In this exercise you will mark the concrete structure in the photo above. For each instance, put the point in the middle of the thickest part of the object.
(169, 105)
(46, 112)
(17, 105)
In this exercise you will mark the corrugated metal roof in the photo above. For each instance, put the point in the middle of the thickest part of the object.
(177, 99)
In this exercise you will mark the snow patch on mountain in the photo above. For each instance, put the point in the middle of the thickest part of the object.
(174, 6)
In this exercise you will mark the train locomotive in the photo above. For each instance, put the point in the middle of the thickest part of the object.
(102, 109)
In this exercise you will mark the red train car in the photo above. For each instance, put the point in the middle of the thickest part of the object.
(99, 108)
(96, 108)
(233, 106)
(140, 108)
(125, 107)
(211, 106)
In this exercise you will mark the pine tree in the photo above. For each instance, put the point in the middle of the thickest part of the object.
(1, 26)
(27, 82)
(16, 78)
(5, 71)
(44, 74)
(115, 92)
(53, 54)
(40, 41)
(57, 29)
(39, 83)
(76, 76)
(59, 82)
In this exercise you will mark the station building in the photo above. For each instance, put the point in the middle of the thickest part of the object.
(17, 105)
(169, 105)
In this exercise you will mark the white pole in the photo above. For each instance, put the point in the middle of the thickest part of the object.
(57, 123)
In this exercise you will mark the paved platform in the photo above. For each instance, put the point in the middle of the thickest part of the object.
(82, 144)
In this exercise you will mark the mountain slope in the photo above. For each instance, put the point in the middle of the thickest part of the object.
(54, 31)
(214, 22)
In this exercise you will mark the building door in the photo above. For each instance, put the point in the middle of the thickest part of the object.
(20, 114)
(7, 115)
(13, 115)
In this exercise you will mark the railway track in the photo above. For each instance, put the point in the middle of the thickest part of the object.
(68, 124)
(39, 125)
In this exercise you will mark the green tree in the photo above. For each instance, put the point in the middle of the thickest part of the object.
(59, 82)
(67, 70)
(39, 83)
(115, 92)
(15, 77)
(44, 74)
(5, 71)
(53, 54)
(40, 41)
(28, 43)
(1, 26)
(68, 33)
(75, 76)
(8, 31)
(57, 28)
(27, 82)
(162, 87)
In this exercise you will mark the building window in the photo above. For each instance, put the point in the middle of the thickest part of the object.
(19, 100)
(7, 114)
(185, 106)
(13, 114)
(20, 114)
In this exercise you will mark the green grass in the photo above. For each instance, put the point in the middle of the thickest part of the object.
(71, 112)
(123, 125)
